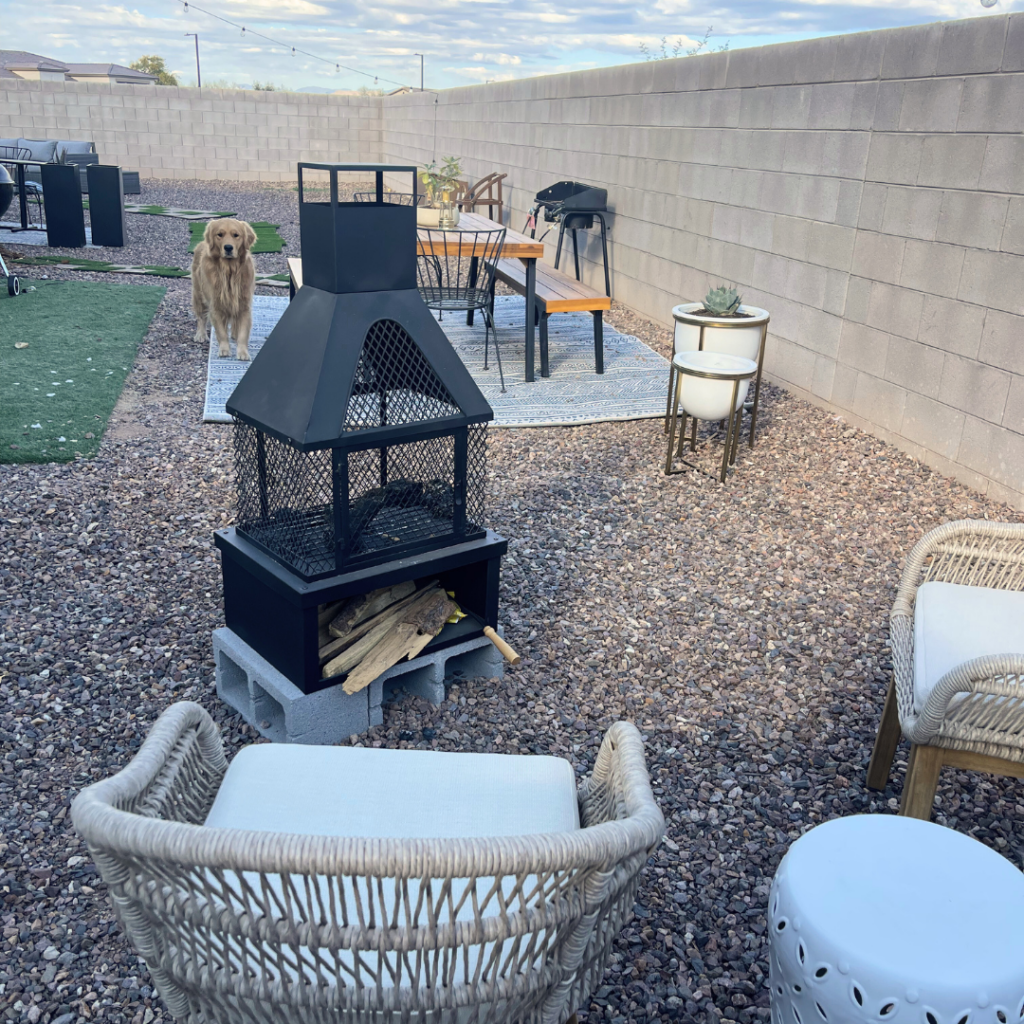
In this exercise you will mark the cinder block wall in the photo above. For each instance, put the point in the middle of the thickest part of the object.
(190, 133)
(868, 190)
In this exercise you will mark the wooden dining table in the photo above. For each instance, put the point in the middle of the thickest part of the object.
(433, 242)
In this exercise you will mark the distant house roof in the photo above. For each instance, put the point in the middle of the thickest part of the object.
(118, 71)
(22, 60)
(13, 61)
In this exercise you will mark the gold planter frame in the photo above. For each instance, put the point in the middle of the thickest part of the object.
(702, 322)
(732, 431)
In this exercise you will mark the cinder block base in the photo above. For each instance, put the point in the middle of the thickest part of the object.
(280, 711)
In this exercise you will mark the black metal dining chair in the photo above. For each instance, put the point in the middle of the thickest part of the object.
(33, 190)
(396, 198)
(455, 273)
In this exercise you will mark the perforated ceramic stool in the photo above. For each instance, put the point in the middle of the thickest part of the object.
(885, 918)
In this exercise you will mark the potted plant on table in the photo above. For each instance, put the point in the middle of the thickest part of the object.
(440, 184)
(721, 323)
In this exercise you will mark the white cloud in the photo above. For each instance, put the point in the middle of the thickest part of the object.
(463, 40)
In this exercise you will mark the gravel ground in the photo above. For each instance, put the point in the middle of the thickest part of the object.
(742, 627)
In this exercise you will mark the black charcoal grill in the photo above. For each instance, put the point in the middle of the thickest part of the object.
(360, 441)
(573, 205)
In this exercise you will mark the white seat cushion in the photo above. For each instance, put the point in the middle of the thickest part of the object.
(412, 794)
(394, 794)
(954, 623)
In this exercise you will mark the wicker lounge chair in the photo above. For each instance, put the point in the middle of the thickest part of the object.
(957, 634)
(265, 926)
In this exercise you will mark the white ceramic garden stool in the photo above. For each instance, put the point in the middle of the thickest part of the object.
(884, 918)
(709, 386)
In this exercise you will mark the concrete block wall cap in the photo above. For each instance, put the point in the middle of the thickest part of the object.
(687, 313)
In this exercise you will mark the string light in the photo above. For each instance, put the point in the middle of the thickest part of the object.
(188, 6)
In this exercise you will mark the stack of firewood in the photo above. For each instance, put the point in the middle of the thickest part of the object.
(362, 637)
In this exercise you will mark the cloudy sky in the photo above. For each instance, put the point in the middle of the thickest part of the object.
(464, 41)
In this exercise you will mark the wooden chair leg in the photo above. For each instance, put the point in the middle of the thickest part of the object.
(885, 742)
(572, 1020)
(921, 782)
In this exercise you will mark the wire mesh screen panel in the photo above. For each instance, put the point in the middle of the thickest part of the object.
(394, 384)
(406, 495)
(285, 501)
(476, 479)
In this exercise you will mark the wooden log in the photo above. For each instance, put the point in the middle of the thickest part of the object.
(419, 624)
(369, 605)
(334, 645)
(327, 612)
(397, 646)
(352, 656)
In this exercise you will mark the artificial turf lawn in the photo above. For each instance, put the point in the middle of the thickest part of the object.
(57, 394)
(267, 238)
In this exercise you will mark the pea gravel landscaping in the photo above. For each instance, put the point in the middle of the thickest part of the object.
(742, 627)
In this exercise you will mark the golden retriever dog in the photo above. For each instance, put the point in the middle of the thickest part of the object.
(223, 282)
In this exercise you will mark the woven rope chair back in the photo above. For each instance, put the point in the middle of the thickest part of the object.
(455, 269)
(263, 927)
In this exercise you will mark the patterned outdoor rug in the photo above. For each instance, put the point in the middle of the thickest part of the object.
(632, 386)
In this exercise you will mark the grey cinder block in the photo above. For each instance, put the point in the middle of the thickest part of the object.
(281, 712)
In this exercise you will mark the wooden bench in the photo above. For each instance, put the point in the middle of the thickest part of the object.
(558, 293)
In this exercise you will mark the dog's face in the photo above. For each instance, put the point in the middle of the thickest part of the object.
(228, 238)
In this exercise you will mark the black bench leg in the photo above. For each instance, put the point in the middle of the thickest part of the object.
(545, 370)
(599, 340)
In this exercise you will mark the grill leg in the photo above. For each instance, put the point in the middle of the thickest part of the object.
(576, 253)
(599, 340)
(604, 254)
(558, 249)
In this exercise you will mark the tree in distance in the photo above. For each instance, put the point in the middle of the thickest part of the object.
(151, 64)
(676, 49)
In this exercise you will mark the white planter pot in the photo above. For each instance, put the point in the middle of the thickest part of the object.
(708, 380)
(739, 336)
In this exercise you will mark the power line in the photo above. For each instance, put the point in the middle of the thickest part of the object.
(189, 6)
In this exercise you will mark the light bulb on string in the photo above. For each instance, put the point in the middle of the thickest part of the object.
(243, 31)
(293, 51)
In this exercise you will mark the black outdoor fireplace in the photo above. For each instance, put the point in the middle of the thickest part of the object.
(360, 442)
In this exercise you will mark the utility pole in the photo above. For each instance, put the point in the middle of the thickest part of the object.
(199, 77)
(420, 55)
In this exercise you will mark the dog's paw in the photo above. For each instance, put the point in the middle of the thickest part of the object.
(223, 351)
(200, 336)
(243, 353)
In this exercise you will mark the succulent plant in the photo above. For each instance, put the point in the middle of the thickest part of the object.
(722, 300)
